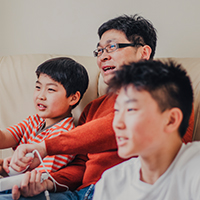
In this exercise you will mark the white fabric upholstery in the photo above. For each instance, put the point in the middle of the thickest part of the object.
(17, 82)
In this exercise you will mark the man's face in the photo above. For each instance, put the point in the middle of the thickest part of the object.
(138, 123)
(109, 62)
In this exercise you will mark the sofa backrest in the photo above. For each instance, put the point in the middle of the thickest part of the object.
(17, 83)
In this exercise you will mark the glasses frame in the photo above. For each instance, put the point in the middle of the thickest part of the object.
(118, 46)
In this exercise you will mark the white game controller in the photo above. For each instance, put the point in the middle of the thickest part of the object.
(16, 177)
(13, 172)
(8, 182)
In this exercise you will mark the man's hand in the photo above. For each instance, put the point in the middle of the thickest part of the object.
(31, 185)
(19, 161)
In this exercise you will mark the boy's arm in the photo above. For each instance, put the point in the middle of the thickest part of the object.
(7, 140)
(13, 134)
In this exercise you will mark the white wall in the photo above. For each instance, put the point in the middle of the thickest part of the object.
(70, 26)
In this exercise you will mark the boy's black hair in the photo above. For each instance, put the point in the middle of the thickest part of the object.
(136, 28)
(168, 84)
(72, 75)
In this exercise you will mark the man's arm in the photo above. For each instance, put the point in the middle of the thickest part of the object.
(189, 133)
(94, 133)
(92, 137)
(71, 175)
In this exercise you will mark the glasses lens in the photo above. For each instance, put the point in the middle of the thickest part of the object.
(95, 53)
(98, 52)
(111, 47)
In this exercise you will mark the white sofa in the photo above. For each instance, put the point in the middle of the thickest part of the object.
(17, 82)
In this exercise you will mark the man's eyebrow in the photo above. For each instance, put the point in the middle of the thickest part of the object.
(38, 82)
(107, 42)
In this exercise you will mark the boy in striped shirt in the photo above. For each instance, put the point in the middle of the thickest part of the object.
(61, 83)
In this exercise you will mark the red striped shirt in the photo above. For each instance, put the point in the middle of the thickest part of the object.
(25, 132)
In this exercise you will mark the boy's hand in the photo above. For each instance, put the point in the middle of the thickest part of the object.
(31, 185)
(6, 164)
(2, 171)
(19, 160)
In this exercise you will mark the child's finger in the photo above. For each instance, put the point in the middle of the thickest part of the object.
(6, 163)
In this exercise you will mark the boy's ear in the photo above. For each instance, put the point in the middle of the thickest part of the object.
(175, 118)
(146, 52)
(74, 98)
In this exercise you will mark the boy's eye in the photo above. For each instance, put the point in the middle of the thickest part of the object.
(116, 110)
(131, 109)
(37, 87)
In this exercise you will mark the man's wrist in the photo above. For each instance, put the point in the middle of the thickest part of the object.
(50, 185)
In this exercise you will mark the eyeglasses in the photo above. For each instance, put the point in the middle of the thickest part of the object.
(113, 47)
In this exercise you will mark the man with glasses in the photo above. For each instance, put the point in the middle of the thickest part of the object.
(113, 47)
(123, 40)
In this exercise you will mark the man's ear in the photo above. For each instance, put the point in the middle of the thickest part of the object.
(146, 52)
(175, 117)
(74, 98)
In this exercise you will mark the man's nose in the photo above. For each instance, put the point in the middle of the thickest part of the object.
(105, 55)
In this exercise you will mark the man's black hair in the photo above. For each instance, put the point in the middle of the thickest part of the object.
(72, 75)
(136, 28)
(168, 84)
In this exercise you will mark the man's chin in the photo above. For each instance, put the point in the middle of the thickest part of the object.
(107, 78)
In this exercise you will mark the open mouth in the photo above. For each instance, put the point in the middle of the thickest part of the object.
(41, 106)
(121, 141)
(108, 68)
(121, 138)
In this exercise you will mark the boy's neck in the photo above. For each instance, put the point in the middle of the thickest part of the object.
(155, 165)
(51, 121)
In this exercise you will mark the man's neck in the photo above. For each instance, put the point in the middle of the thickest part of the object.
(152, 167)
